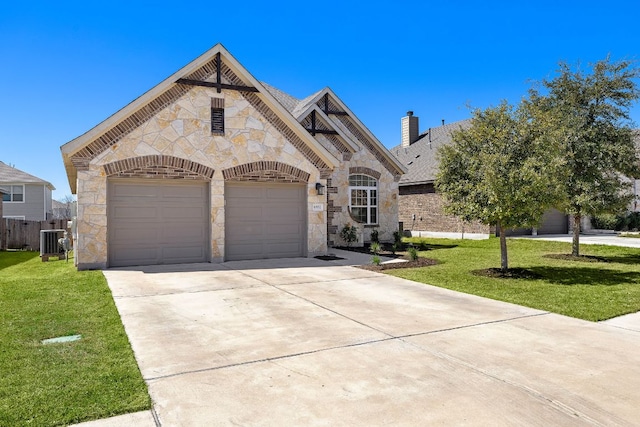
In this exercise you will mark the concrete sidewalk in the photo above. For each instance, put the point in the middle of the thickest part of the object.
(308, 342)
(588, 239)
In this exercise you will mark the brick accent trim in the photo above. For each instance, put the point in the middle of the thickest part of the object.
(276, 122)
(81, 158)
(266, 171)
(336, 140)
(365, 171)
(158, 166)
(366, 141)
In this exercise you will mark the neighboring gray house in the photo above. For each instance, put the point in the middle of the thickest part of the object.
(420, 207)
(25, 196)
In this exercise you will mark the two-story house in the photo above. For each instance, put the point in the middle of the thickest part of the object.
(25, 196)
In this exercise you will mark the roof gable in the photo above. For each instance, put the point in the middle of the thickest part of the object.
(11, 175)
(215, 68)
(341, 119)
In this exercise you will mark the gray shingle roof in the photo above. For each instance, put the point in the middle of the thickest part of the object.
(293, 105)
(287, 101)
(420, 157)
(9, 175)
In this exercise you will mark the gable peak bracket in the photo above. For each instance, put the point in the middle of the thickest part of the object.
(327, 111)
(218, 83)
(314, 130)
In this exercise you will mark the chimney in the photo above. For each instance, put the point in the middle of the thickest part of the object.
(410, 130)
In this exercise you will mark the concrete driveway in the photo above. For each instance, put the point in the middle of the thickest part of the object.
(308, 342)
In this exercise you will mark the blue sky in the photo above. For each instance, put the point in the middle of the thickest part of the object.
(67, 65)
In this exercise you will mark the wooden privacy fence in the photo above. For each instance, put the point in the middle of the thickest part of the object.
(21, 234)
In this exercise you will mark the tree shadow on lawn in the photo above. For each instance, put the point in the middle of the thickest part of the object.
(11, 258)
(433, 246)
(621, 259)
(571, 276)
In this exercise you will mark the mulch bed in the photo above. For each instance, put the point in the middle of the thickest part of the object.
(385, 252)
(420, 262)
(511, 273)
(328, 257)
(580, 258)
(365, 250)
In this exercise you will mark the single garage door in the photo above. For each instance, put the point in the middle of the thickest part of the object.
(157, 222)
(554, 222)
(265, 221)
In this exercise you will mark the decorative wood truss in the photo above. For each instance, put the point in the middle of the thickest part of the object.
(218, 83)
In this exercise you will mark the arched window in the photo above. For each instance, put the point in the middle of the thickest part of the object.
(363, 198)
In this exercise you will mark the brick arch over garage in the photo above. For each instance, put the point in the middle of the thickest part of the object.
(158, 166)
(266, 171)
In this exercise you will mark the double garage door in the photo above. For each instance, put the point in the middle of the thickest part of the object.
(167, 222)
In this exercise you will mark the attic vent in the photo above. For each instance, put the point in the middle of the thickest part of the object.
(217, 116)
(410, 163)
(417, 156)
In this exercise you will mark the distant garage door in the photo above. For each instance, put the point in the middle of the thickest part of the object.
(153, 222)
(265, 221)
(553, 222)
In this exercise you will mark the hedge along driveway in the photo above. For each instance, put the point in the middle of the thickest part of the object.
(46, 385)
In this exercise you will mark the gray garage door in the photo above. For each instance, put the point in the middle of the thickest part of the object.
(554, 222)
(157, 222)
(265, 221)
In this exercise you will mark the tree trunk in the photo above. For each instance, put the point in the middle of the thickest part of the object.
(504, 264)
(575, 248)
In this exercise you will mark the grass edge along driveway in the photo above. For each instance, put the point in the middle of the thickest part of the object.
(586, 290)
(58, 384)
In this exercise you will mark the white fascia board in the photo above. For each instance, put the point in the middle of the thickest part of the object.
(78, 143)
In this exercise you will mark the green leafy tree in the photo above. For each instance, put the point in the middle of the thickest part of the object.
(500, 170)
(587, 117)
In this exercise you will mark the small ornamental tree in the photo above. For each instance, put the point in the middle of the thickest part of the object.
(498, 171)
(587, 116)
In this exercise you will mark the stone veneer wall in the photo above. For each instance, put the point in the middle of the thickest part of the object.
(337, 193)
(182, 130)
(362, 161)
(423, 202)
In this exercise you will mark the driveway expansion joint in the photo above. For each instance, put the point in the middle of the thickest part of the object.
(358, 344)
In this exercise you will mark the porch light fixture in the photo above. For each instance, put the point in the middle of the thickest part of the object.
(319, 189)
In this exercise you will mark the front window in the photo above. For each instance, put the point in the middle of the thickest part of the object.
(363, 198)
(15, 194)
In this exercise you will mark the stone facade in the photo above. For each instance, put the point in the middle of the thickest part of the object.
(182, 131)
(422, 201)
(213, 122)
(360, 162)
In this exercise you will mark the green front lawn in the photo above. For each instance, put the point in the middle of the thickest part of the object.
(586, 290)
(59, 384)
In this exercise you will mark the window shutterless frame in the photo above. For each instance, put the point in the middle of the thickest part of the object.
(16, 194)
(363, 198)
